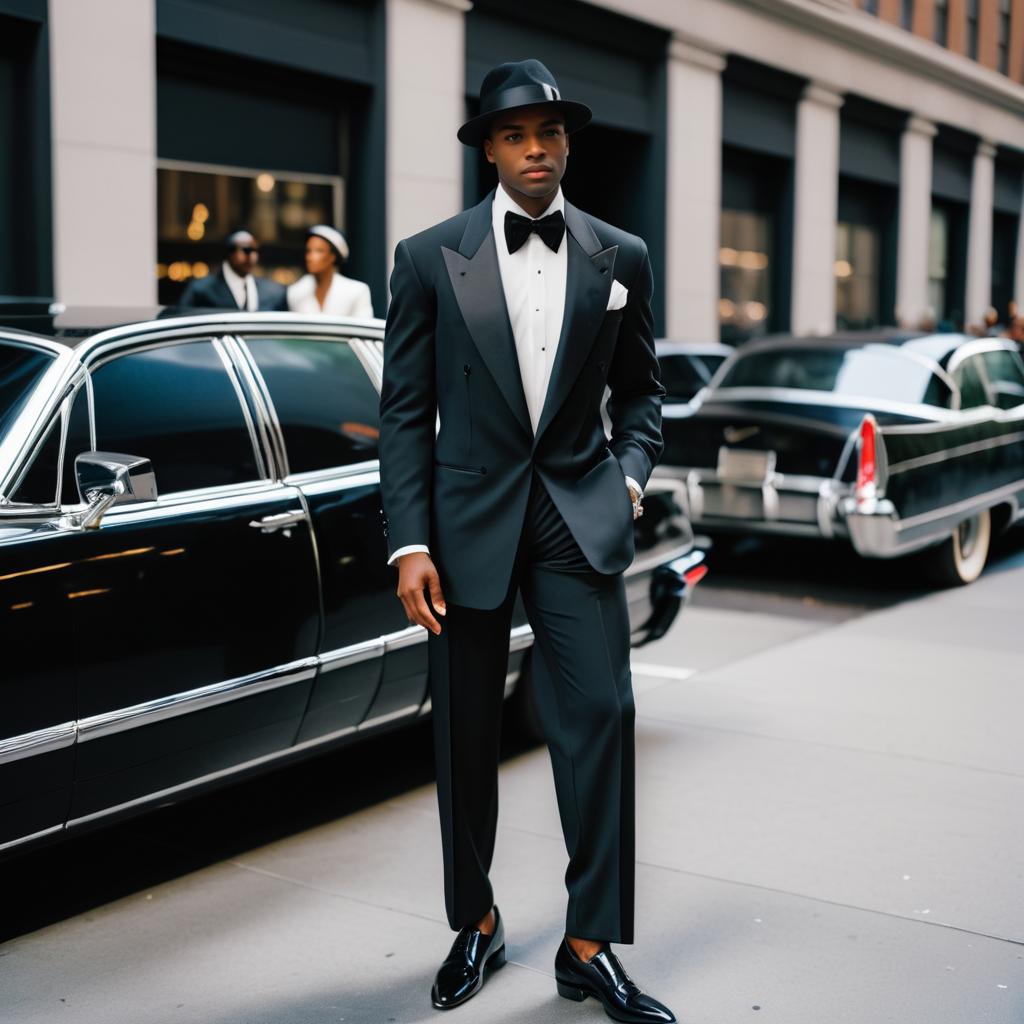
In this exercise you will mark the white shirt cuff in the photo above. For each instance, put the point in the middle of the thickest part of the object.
(630, 482)
(408, 550)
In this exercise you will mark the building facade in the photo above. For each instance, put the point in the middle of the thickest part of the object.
(793, 164)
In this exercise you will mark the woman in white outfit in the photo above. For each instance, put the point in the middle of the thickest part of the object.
(324, 289)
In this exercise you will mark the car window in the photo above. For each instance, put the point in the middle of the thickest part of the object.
(175, 405)
(20, 369)
(1005, 373)
(874, 372)
(326, 403)
(39, 483)
(971, 383)
(680, 377)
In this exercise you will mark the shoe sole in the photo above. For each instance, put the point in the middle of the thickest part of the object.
(491, 964)
(577, 995)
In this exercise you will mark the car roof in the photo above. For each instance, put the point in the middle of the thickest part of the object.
(668, 347)
(69, 325)
(936, 346)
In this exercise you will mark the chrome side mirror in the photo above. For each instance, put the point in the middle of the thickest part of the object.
(111, 478)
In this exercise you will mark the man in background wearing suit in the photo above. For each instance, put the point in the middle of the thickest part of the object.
(507, 321)
(235, 286)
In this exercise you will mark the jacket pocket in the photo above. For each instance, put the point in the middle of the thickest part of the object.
(475, 470)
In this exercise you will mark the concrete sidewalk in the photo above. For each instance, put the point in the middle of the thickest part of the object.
(830, 829)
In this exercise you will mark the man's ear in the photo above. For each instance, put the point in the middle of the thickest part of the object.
(489, 150)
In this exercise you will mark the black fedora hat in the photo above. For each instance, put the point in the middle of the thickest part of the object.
(520, 83)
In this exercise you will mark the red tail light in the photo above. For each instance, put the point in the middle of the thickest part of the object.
(867, 463)
(695, 575)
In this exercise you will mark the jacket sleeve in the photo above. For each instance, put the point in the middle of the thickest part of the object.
(408, 407)
(634, 378)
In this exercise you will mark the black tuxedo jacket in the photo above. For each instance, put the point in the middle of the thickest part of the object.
(212, 292)
(449, 351)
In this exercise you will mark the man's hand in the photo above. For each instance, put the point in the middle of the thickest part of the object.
(416, 573)
(634, 496)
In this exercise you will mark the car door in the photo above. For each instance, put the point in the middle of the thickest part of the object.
(373, 664)
(195, 616)
(37, 699)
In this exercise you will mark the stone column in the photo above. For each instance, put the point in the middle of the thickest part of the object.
(693, 192)
(426, 90)
(979, 234)
(103, 116)
(816, 198)
(914, 221)
(1018, 271)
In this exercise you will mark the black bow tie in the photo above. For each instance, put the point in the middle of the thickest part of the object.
(550, 228)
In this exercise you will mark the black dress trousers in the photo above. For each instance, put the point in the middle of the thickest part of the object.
(584, 699)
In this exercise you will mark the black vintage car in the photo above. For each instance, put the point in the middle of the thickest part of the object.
(898, 442)
(193, 578)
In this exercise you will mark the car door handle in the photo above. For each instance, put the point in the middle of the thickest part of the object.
(280, 521)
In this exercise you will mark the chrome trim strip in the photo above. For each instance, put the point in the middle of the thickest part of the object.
(406, 712)
(333, 473)
(954, 453)
(35, 835)
(261, 396)
(340, 657)
(42, 741)
(254, 492)
(979, 501)
(232, 372)
(404, 638)
(658, 558)
(365, 478)
(111, 722)
(520, 637)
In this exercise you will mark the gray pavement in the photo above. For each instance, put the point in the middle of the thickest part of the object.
(830, 830)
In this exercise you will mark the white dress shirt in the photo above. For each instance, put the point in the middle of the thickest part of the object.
(242, 288)
(533, 279)
(345, 297)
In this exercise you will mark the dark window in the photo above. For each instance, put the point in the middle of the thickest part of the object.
(940, 29)
(972, 386)
(907, 13)
(20, 369)
(875, 371)
(175, 406)
(871, 6)
(681, 378)
(1005, 372)
(39, 484)
(745, 273)
(327, 405)
(972, 29)
(858, 275)
(1003, 37)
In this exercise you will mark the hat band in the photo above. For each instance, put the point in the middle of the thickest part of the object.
(520, 96)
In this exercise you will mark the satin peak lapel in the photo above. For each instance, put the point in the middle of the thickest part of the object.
(476, 282)
(588, 284)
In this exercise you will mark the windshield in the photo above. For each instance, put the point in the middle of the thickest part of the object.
(20, 369)
(874, 371)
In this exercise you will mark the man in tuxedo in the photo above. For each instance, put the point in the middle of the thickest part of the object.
(506, 322)
(234, 285)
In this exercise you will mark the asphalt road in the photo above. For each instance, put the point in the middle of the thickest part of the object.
(830, 795)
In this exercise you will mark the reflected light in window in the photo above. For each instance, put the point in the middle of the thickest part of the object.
(161, 271)
(750, 260)
(200, 213)
(844, 268)
(283, 275)
(726, 309)
(200, 269)
(755, 310)
(265, 182)
(195, 231)
(727, 256)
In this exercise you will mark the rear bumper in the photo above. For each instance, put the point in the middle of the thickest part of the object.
(656, 594)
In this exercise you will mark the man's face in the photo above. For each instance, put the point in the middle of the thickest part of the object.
(529, 147)
(244, 257)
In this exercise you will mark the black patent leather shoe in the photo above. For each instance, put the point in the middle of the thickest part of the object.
(472, 958)
(604, 978)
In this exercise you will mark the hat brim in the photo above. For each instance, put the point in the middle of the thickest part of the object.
(475, 130)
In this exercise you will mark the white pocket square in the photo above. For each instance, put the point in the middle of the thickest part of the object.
(618, 296)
